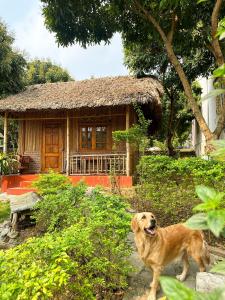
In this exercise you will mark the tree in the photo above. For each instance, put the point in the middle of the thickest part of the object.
(12, 72)
(170, 24)
(145, 59)
(12, 65)
(43, 71)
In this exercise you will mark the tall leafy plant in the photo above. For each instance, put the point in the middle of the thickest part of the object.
(137, 134)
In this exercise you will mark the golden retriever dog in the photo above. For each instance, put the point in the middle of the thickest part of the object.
(158, 247)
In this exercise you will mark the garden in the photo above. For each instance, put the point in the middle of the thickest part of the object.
(79, 248)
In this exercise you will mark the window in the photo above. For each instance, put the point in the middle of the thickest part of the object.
(101, 138)
(86, 137)
(93, 137)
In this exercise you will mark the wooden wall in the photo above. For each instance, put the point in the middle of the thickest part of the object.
(31, 128)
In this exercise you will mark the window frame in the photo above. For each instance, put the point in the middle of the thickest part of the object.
(93, 138)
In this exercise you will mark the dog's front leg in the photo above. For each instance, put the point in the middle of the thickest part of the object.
(155, 282)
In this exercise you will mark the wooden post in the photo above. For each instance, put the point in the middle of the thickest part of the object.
(5, 141)
(67, 144)
(127, 144)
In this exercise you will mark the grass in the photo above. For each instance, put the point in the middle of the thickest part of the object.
(4, 211)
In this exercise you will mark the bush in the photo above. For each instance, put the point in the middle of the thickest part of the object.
(167, 185)
(84, 253)
(193, 169)
(4, 211)
(51, 184)
(8, 164)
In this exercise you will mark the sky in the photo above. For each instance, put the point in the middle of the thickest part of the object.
(25, 21)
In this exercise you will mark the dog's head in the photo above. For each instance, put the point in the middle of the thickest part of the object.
(144, 222)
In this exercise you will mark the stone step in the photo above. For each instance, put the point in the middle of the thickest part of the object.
(26, 184)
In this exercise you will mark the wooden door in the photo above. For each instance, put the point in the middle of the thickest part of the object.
(52, 147)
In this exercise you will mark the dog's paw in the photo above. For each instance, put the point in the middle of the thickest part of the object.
(151, 297)
(181, 277)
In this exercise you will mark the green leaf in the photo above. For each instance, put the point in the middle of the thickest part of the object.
(216, 221)
(198, 221)
(175, 290)
(200, 1)
(213, 93)
(217, 294)
(219, 153)
(219, 72)
(219, 267)
(205, 193)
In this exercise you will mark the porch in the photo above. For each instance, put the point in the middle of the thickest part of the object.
(74, 143)
(18, 184)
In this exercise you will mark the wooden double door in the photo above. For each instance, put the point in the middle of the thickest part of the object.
(52, 146)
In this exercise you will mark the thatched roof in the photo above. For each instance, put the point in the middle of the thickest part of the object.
(108, 91)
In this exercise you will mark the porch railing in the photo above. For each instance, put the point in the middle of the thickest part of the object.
(86, 164)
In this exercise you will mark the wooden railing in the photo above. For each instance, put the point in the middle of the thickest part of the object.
(85, 164)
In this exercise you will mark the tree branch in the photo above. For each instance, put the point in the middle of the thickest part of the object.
(175, 62)
(173, 28)
(214, 26)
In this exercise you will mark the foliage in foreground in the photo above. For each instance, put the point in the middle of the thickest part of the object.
(82, 255)
(212, 217)
(167, 185)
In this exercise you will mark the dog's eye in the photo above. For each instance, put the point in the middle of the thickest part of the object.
(143, 217)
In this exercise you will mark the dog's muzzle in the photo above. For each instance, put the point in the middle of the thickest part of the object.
(151, 230)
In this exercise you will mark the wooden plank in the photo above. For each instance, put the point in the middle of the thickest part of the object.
(127, 144)
(68, 145)
(64, 118)
(5, 141)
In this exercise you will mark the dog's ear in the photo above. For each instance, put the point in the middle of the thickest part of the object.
(134, 224)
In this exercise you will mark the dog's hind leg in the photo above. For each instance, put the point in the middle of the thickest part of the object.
(199, 262)
(199, 252)
(185, 261)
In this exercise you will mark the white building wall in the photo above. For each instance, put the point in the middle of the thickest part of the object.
(209, 112)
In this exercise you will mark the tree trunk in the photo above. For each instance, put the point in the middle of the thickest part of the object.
(169, 139)
(175, 62)
(214, 26)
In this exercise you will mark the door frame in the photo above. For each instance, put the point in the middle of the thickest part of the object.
(60, 123)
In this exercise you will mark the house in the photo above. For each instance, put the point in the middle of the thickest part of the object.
(210, 109)
(67, 127)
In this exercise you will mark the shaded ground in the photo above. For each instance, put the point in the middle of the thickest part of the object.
(140, 280)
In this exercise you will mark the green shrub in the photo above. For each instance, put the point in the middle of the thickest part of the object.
(8, 164)
(167, 185)
(51, 183)
(82, 256)
(59, 208)
(164, 168)
(4, 211)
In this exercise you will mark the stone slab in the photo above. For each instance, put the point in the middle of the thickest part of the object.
(23, 202)
(206, 282)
